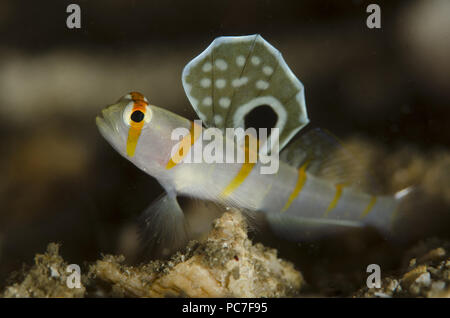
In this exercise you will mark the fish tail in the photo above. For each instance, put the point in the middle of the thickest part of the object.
(416, 215)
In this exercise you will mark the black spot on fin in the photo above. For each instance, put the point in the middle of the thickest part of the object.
(261, 117)
(236, 74)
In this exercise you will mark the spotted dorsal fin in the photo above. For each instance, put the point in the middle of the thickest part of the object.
(234, 75)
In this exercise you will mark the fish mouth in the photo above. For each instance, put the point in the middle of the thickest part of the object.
(108, 124)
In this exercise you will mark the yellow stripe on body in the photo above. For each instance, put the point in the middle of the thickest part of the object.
(245, 170)
(369, 207)
(298, 187)
(237, 181)
(336, 198)
(185, 144)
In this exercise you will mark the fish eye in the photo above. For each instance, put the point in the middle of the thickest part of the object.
(135, 114)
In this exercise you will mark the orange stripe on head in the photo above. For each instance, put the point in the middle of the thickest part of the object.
(139, 104)
(136, 96)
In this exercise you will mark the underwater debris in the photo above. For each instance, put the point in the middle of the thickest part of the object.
(427, 274)
(47, 278)
(225, 264)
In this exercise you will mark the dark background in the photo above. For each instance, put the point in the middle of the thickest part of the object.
(60, 181)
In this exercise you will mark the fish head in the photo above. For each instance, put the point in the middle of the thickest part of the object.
(139, 131)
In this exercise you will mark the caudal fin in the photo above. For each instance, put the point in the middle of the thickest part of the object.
(418, 215)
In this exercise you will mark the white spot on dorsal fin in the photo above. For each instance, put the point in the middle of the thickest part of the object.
(239, 81)
(205, 82)
(218, 119)
(240, 60)
(256, 60)
(267, 70)
(207, 67)
(262, 84)
(221, 64)
(220, 83)
(224, 102)
(207, 101)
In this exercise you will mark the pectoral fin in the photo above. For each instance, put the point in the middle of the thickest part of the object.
(163, 228)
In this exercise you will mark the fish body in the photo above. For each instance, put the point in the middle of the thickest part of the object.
(290, 193)
(233, 76)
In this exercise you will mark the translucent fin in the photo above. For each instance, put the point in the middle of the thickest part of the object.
(301, 229)
(234, 75)
(163, 228)
(328, 158)
(409, 222)
(419, 215)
